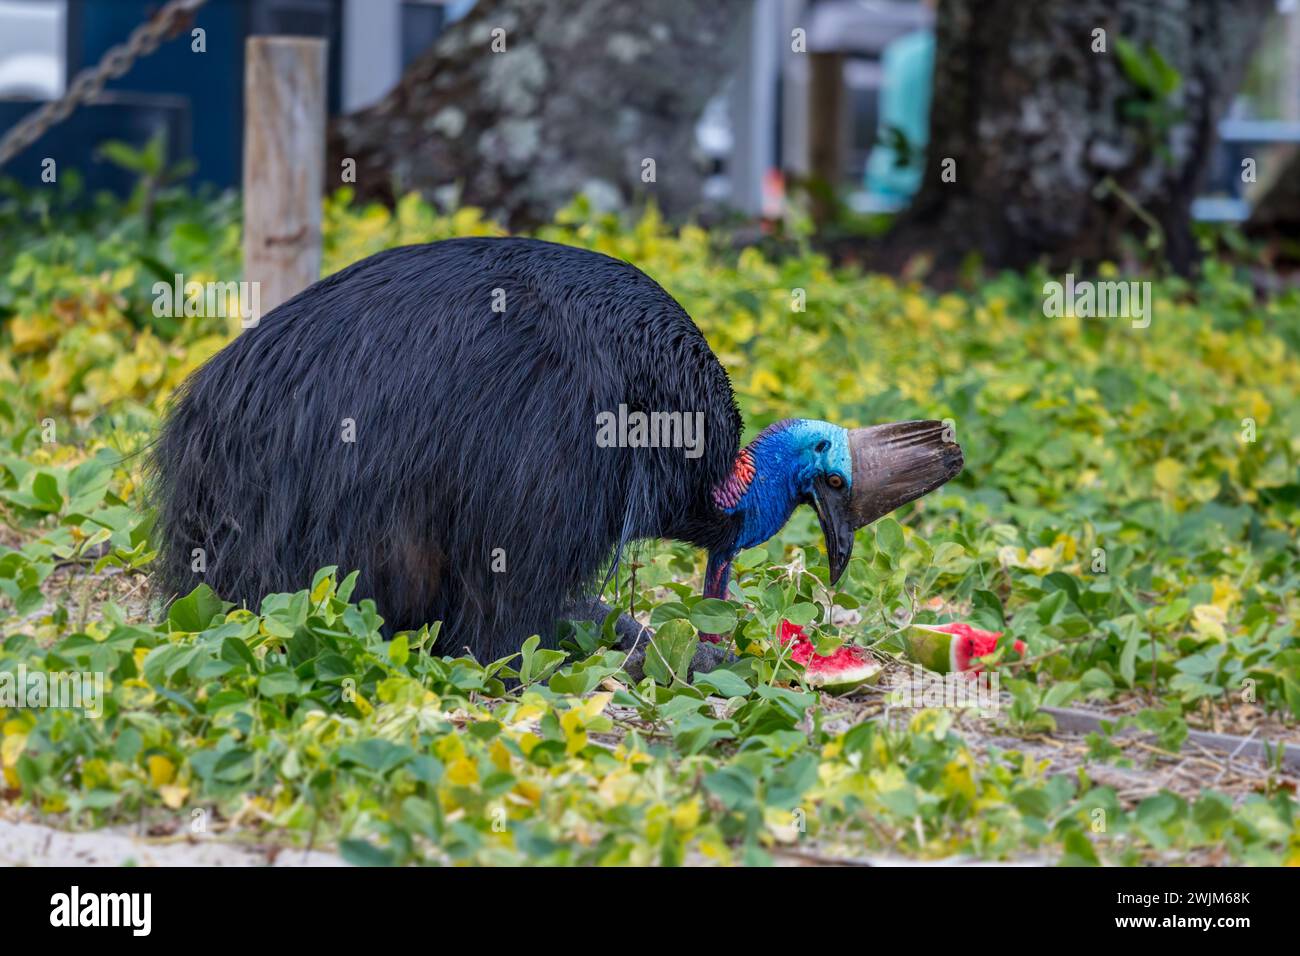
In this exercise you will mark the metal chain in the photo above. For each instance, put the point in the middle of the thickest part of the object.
(89, 83)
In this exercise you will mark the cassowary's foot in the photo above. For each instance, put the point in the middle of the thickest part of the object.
(634, 637)
(707, 657)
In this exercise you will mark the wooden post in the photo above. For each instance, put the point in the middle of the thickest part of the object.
(284, 164)
(825, 130)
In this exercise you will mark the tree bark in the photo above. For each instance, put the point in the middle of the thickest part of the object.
(1058, 151)
(583, 94)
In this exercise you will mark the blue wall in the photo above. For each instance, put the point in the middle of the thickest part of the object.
(195, 99)
(210, 84)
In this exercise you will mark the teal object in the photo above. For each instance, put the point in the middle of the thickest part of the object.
(908, 65)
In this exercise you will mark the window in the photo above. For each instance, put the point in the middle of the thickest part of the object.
(32, 55)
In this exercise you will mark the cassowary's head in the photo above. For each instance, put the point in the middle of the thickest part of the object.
(850, 477)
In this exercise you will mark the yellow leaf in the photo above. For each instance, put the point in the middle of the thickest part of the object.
(784, 825)
(161, 770)
(686, 815)
(575, 737)
(1169, 474)
(12, 748)
(450, 748)
(1257, 406)
(322, 589)
(95, 773)
(31, 333)
(174, 795)
(595, 705)
(1225, 593)
(1069, 546)
(500, 755)
(957, 778)
(527, 792)
(1042, 559)
(1208, 620)
(463, 772)
(764, 382)
(618, 787)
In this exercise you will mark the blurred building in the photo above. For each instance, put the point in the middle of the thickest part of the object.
(805, 99)
(44, 43)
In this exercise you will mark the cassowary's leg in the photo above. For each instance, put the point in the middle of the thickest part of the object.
(634, 637)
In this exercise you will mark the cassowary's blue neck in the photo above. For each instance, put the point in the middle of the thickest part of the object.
(773, 490)
(772, 475)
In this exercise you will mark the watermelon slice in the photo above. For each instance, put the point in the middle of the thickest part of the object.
(848, 668)
(957, 646)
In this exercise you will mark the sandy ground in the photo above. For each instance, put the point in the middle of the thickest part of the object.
(33, 844)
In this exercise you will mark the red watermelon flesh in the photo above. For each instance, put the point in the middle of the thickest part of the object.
(971, 643)
(849, 667)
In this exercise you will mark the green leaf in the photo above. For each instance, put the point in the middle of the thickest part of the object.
(195, 611)
(526, 657)
(399, 650)
(334, 667)
(277, 683)
(363, 853)
(1060, 693)
(889, 538)
(535, 664)
(723, 683)
(1079, 850)
(801, 614)
(735, 786)
(1132, 643)
(987, 611)
(949, 556)
(87, 484)
(377, 755)
(713, 616)
(669, 653)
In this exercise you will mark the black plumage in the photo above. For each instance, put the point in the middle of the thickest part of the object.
(475, 430)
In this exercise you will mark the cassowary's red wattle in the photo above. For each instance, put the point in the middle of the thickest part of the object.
(728, 494)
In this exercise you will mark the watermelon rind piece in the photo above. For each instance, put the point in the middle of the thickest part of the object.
(931, 648)
(842, 679)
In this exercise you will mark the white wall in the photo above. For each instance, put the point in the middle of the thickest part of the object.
(372, 50)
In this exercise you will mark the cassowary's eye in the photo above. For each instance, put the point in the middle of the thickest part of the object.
(835, 481)
(822, 446)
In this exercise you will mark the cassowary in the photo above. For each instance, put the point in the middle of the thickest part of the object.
(441, 418)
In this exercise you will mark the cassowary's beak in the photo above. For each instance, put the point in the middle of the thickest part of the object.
(833, 507)
(892, 465)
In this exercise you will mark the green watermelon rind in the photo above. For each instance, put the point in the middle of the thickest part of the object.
(930, 648)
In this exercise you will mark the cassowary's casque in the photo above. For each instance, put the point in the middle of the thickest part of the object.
(432, 416)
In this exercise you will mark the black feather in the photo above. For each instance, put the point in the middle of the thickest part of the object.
(475, 430)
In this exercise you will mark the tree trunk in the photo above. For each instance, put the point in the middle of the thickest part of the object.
(1059, 151)
(583, 95)
(1276, 217)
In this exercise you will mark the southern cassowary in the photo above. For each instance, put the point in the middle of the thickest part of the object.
(431, 416)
